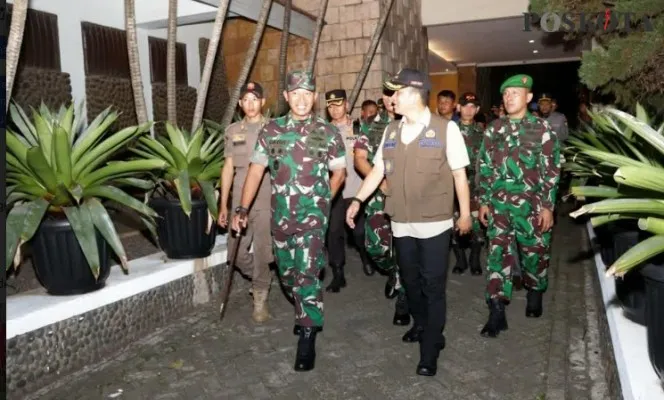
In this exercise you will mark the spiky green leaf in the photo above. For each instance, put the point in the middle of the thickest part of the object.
(102, 221)
(81, 223)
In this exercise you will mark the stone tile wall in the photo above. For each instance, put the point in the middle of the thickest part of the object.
(36, 85)
(236, 40)
(40, 358)
(186, 102)
(102, 91)
(346, 38)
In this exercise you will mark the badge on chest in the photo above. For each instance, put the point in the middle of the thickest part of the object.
(316, 144)
(278, 147)
(430, 143)
(239, 139)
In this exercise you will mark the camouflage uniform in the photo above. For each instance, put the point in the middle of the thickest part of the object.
(472, 136)
(300, 156)
(519, 169)
(378, 232)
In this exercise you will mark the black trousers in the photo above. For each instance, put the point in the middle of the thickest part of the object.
(338, 229)
(423, 265)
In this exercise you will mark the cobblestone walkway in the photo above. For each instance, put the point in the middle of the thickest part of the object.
(360, 353)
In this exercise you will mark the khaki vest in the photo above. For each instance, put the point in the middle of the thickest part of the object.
(419, 179)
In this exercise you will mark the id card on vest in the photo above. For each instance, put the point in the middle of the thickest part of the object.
(419, 179)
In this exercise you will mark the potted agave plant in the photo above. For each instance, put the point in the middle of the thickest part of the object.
(59, 179)
(588, 150)
(185, 197)
(638, 196)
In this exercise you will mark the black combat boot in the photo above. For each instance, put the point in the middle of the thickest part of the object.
(474, 259)
(460, 255)
(298, 328)
(534, 304)
(338, 279)
(306, 349)
(367, 266)
(391, 286)
(413, 335)
(497, 319)
(401, 314)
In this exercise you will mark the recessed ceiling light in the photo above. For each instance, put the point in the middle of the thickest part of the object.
(535, 51)
(531, 41)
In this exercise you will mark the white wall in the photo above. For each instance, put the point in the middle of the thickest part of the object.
(111, 13)
(439, 12)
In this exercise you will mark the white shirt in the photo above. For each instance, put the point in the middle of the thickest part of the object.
(457, 158)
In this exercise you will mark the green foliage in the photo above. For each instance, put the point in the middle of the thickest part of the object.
(628, 149)
(628, 65)
(56, 164)
(193, 162)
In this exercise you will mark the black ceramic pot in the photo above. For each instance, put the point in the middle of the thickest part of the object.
(654, 278)
(631, 289)
(182, 237)
(59, 262)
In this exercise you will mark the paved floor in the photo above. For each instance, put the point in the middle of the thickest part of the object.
(361, 355)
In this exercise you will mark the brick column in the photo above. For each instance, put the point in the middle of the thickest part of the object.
(467, 79)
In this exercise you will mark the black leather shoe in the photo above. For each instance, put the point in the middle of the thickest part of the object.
(305, 357)
(474, 259)
(461, 262)
(426, 370)
(534, 304)
(338, 279)
(497, 319)
(401, 314)
(413, 335)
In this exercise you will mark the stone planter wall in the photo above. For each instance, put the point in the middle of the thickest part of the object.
(39, 358)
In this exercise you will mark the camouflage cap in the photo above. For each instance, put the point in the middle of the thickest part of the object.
(519, 81)
(300, 80)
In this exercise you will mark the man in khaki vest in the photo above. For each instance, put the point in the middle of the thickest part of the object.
(423, 158)
(240, 140)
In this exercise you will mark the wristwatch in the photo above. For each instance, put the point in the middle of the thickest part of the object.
(241, 210)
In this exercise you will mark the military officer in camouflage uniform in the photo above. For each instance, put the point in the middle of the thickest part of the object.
(301, 151)
(519, 171)
(557, 120)
(240, 139)
(378, 232)
(468, 107)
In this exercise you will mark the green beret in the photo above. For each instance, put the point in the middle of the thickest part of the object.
(521, 80)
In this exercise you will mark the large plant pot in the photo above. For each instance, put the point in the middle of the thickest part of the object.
(630, 289)
(604, 237)
(182, 237)
(59, 262)
(654, 278)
